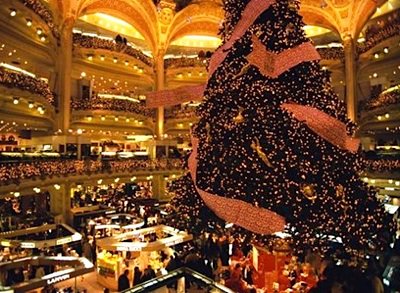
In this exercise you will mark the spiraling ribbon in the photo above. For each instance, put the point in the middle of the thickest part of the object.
(238, 212)
(326, 126)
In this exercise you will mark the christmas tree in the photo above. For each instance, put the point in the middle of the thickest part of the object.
(273, 149)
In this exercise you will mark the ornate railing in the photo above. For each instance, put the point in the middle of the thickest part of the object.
(97, 103)
(383, 165)
(24, 82)
(89, 42)
(16, 172)
(186, 62)
(44, 13)
(180, 113)
(383, 100)
(376, 34)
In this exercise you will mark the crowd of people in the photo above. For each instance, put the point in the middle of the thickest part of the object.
(383, 100)
(380, 31)
(44, 13)
(383, 165)
(97, 103)
(90, 42)
(24, 82)
(16, 172)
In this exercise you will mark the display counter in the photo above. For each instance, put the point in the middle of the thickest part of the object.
(82, 214)
(66, 268)
(40, 237)
(111, 225)
(136, 248)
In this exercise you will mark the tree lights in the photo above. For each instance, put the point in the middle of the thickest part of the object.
(252, 149)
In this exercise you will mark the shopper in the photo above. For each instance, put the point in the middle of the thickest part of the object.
(123, 281)
(137, 276)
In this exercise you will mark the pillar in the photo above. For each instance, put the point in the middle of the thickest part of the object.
(351, 76)
(63, 80)
(160, 83)
(159, 186)
(60, 202)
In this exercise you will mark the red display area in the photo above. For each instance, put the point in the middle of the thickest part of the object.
(269, 266)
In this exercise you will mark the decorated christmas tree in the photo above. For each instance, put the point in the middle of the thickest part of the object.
(273, 149)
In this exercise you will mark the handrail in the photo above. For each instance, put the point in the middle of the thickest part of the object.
(173, 276)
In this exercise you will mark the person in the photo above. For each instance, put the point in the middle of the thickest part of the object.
(235, 283)
(137, 276)
(224, 248)
(123, 281)
(118, 39)
(148, 274)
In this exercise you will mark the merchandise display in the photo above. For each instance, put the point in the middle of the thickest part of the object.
(139, 248)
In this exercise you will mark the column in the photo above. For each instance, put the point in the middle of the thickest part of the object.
(351, 76)
(160, 83)
(159, 186)
(63, 81)
(60, 202)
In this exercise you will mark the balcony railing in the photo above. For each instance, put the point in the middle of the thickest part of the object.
(90, 42)
(383, 100)
(383, 165)
(376, 34)
(44, 13)
(24, 82)
(14, 173)
(97, 103)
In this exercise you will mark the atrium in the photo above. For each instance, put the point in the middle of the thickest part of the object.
(199, 146)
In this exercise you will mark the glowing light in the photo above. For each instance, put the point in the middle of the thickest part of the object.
(313, 31)
(13, 12)
(17, 69)
(197, 41)
(15, 101)
(112, 23)
(28, 22)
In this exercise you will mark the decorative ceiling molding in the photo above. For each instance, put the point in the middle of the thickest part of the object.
(141, 14)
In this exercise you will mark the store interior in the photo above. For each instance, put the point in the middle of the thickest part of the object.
(199, 146)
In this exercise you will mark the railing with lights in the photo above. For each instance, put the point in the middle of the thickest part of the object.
(179, 112)
(383, 165)
(16, 172)
(186, 62)
(111, 103)
(44, 13)
(385, 99)
(376, 34)
(172, 277)
(327, 53)
(22, 81)
(91, 42)
(333, 53)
